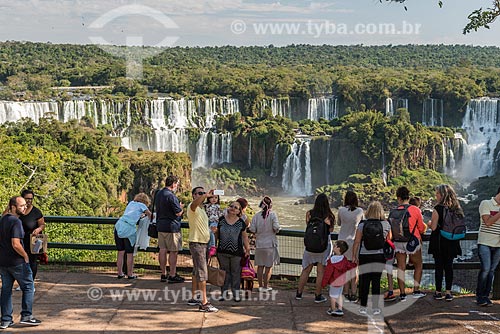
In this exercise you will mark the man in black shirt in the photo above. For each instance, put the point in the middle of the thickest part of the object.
(168, 214)
(14, 265)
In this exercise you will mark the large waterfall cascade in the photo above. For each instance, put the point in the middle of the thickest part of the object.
(323, 107)
(481, 122)
(296, 177)
(391, 105)
(169, 119)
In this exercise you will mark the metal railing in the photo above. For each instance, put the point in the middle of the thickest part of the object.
(291, 248)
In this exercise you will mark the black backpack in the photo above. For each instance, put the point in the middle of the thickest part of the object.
(373, 234)
(316, 235)
(453, 225)
(400, 226)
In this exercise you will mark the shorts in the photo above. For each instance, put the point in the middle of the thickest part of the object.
(199, 254)
(401, 247)
(123, 244)
(336, 291)
(171, 241)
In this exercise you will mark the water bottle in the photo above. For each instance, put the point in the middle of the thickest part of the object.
(37, 247)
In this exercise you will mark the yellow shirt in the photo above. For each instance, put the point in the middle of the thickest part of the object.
(198, 225)
(489, 235)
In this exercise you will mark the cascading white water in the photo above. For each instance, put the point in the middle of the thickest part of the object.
(200, 159)
(327, 171)
(432, 112)
(323, 107)
(11, 111)
(389, 107)
(296, 178)
(279, 106)
(250, 152)
(481, 122)
(274, 164)
(221, 148)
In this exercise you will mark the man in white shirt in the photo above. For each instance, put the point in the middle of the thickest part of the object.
(488, 241)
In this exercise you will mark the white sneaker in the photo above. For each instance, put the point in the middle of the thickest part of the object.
(376, 311)
(363, 311)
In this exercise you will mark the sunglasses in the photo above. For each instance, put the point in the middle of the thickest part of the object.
(235, 207)
(201, 193)
(28, 198)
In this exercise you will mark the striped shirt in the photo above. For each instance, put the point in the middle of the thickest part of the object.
(230, 239)
(489, 235)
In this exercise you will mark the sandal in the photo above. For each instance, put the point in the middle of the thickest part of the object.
(120, 276)
(132, 277)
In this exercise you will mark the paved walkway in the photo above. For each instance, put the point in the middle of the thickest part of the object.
(76, 302)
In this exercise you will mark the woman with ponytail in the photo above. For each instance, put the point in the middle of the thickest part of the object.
(265, 225)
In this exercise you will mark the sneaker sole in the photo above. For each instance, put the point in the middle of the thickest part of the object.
(319, 301)
(29, 323)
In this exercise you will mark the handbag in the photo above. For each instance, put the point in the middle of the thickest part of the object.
(247, 271)
(153, 230)
(38, 243)
(389, 249)
(413, 243)
(216, 276)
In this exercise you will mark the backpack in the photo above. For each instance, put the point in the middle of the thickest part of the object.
(453, 225)
(316, 235)
(400, 226)
(373, 234)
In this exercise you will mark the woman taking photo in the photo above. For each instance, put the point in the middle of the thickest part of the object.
(265, 225)
(321, 211)
(233, 244)
(443, 250)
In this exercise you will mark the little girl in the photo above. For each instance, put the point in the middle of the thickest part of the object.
(212, 207)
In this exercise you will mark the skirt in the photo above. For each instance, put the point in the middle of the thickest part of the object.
(267, 257)
(311, 258)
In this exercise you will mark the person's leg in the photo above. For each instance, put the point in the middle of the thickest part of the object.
(304, 275)
(364, 280)
(172, 263)
(320, 269)
(225, 264)
(375, 281)
(119, 262)
(162, 258)
(130, 264)
(448, 271)
(33, 264)
(416, 259)
(482, 279)
(6, 295)
(236, 276)
(260, 274)
(401, 262)
(23, 275)
(495, 259)
(267, 276)
(438, 272)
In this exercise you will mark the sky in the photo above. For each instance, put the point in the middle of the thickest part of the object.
(242, 22)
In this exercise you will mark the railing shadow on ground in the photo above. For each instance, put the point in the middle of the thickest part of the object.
(291, 249)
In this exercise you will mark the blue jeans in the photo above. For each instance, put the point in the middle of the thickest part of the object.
(489, 257)
(23, 275)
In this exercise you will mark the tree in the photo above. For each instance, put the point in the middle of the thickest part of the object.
(479, 18)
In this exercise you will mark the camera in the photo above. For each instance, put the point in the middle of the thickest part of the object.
(219, 192)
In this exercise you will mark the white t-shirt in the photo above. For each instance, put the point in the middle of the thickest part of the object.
(489, 235)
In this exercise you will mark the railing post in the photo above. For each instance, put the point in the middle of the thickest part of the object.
(496, 284)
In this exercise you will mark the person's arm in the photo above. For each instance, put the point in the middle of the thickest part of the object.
(276, 224)
(18, 247)
(420, 223)
(355, 247)
(149, 214)
(434, 220)
(253, 225)
(339, 221)
(41, 226)
(197, 202)
(489, 220)
(246, 243)
(308, 216)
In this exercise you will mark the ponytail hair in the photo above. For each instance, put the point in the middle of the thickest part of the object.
(266, 205)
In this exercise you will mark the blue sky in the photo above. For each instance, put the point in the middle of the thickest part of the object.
(241, 22)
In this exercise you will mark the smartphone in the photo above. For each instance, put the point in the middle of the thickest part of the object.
(219, 192)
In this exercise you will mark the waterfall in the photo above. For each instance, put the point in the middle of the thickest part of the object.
(250, 152)
(402, 103)
(327, 172)
(389, 107)
(481, 123)
(324, 107)
(432, 112)
(201, 151)
(296, 178)
(274, 164)
(222, 145)
(384, 172)
(279, 106)
(13, 111)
